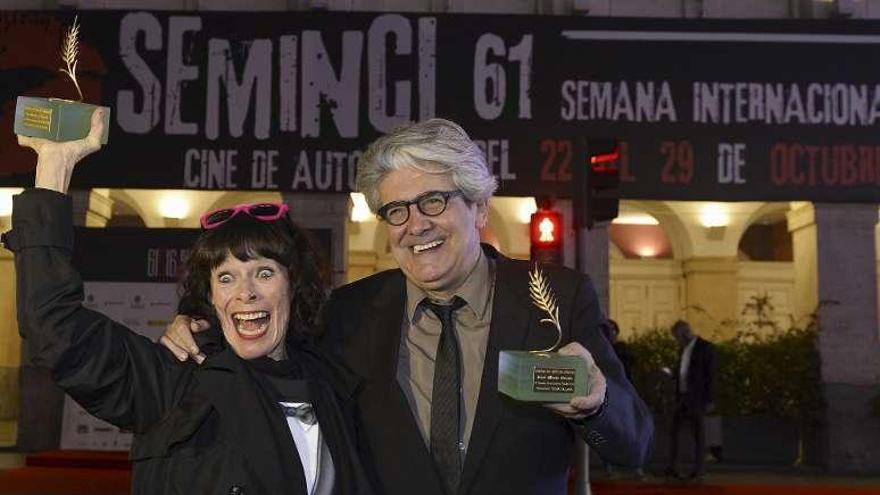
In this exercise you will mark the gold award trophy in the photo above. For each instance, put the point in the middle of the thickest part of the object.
(55, 118)
(543, 375)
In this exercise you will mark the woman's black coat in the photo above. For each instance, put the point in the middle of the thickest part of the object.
(198, 429)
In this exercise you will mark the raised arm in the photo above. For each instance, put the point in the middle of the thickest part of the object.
(112, 372)
(56, 161)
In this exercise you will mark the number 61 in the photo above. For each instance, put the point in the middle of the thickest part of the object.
(490, 78)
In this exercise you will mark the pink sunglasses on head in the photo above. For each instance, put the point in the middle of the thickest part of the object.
(266, 212)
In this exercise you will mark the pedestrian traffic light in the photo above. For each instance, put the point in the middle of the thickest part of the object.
(546, 235)
(596, 178)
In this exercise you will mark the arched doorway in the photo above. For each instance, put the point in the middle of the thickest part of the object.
(645, 285)
(765, 288)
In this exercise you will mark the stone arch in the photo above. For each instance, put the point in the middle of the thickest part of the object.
(679, 237)
(124, 203)
(774, 211)
(145, 202)
(766, 209)
(614, 252)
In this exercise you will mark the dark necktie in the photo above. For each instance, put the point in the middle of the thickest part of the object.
(446, 397)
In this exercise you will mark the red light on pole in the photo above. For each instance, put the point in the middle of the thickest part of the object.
(546, 236)
(601, 161)
(595, 183)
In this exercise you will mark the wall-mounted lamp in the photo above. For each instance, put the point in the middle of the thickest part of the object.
(6, 194)
(635, 219)
(526, 207)
(173, 207)
(716, 233)
(646, 251)
(714, 215)
(360, 212)
(715, 218)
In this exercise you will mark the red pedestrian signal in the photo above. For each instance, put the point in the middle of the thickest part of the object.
(546, 235)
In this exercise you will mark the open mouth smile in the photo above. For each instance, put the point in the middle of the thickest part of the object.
(418, 248)
(251, 325)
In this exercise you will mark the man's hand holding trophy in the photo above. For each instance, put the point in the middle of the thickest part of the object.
(543, 375)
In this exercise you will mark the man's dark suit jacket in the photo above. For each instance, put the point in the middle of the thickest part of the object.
(514, 448)
(700, 376)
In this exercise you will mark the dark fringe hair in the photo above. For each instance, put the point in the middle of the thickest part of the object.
(247, 238)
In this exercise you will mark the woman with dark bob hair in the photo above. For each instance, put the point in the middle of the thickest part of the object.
(265, 413)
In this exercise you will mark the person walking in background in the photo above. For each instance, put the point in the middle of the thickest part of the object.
(694, 394)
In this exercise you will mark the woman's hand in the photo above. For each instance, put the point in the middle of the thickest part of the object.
(55, 161)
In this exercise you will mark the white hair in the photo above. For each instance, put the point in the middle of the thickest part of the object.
(435, 146)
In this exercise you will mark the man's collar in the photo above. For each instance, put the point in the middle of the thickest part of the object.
(475, 290)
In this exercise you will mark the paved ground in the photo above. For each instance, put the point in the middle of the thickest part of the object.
(721, 480)
(739, 479)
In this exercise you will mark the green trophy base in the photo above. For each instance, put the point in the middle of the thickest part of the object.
(542, 376)
(56, 119)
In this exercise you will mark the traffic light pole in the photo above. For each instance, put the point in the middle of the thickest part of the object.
(592, 258)
(594, 204)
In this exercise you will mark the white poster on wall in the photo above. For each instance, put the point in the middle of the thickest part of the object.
(145, 308)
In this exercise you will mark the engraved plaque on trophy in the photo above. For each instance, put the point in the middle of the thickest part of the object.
(55, 118)
(542, 375)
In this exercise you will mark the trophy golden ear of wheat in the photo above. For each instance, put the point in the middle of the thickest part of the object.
(58, 119)
(70, 54)
(543, 297)
(543, 375)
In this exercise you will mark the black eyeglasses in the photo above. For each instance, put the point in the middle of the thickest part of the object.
(431, 203)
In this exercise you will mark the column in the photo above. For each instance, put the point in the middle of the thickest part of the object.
(594, 261)
(91, 208)
(711, 294)
(836, 272)
(10, 351)
(802, 226)
(327, 213)
(593, 256)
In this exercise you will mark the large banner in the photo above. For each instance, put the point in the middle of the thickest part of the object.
(720, 110)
